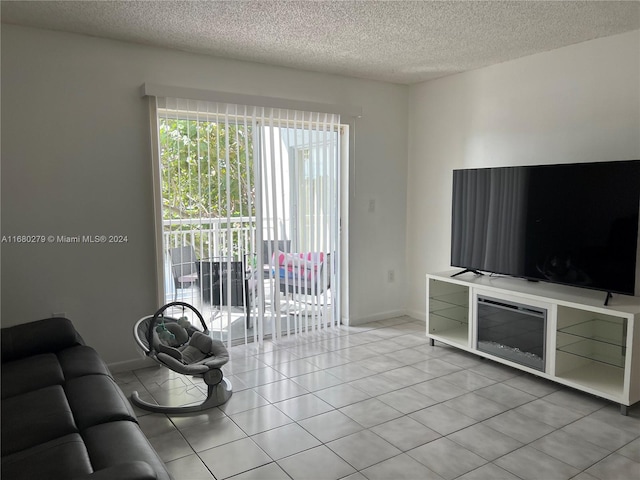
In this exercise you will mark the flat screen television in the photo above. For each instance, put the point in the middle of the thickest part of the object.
(574, 224)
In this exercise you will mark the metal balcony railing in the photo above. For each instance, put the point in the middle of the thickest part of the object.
(212, 237)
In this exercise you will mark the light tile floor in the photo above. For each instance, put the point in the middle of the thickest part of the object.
(378, 402)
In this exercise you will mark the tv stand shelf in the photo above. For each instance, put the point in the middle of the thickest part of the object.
(588, 346)
(449, 312)
(597, 330)
(596, 339)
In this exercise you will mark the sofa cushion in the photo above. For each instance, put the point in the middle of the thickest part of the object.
(43, 336)
(30, 373)
(60, 459)
(81, 360)
(123, 471)
(96, 399)
(116, 442)
(35, 417)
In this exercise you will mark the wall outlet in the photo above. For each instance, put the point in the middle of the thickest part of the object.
(372, 205)
(391, 276)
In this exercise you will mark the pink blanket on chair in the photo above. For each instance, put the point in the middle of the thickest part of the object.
(299, 266)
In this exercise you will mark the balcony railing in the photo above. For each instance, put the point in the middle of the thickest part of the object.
(212, 237)
(231, 239)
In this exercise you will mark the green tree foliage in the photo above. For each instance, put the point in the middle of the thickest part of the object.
(207, 169)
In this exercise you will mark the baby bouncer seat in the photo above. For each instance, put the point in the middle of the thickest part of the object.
(185, 349)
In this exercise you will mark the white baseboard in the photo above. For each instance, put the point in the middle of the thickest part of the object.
(134, 364)
(374, 318)
(417, 314)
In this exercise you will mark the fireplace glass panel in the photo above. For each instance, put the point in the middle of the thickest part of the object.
(512, 331)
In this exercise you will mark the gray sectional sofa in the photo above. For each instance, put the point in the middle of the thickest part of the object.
(63, 416)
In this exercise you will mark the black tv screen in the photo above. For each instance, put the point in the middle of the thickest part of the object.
(575, 224)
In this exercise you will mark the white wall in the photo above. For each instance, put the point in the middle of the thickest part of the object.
(578, 103)
(76, 161)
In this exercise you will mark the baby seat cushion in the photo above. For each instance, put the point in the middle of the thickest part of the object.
(187, 350)
(192, 349)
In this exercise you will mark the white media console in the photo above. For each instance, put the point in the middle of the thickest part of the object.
(582, 343)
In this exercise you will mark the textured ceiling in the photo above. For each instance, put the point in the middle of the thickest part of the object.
(395, 41)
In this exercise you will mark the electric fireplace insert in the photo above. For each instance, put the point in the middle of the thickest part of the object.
(512, 331)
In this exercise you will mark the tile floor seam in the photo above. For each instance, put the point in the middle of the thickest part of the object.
(583, 469)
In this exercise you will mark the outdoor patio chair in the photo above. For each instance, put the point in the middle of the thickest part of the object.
(268, 251)
(183, 268)
(306, 273)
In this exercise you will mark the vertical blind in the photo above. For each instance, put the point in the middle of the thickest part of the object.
(253, 194)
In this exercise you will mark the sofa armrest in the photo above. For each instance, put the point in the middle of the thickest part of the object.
(123, 471)
(43, 336)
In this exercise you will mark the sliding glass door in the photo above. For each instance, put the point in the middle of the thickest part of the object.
(249, 216)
